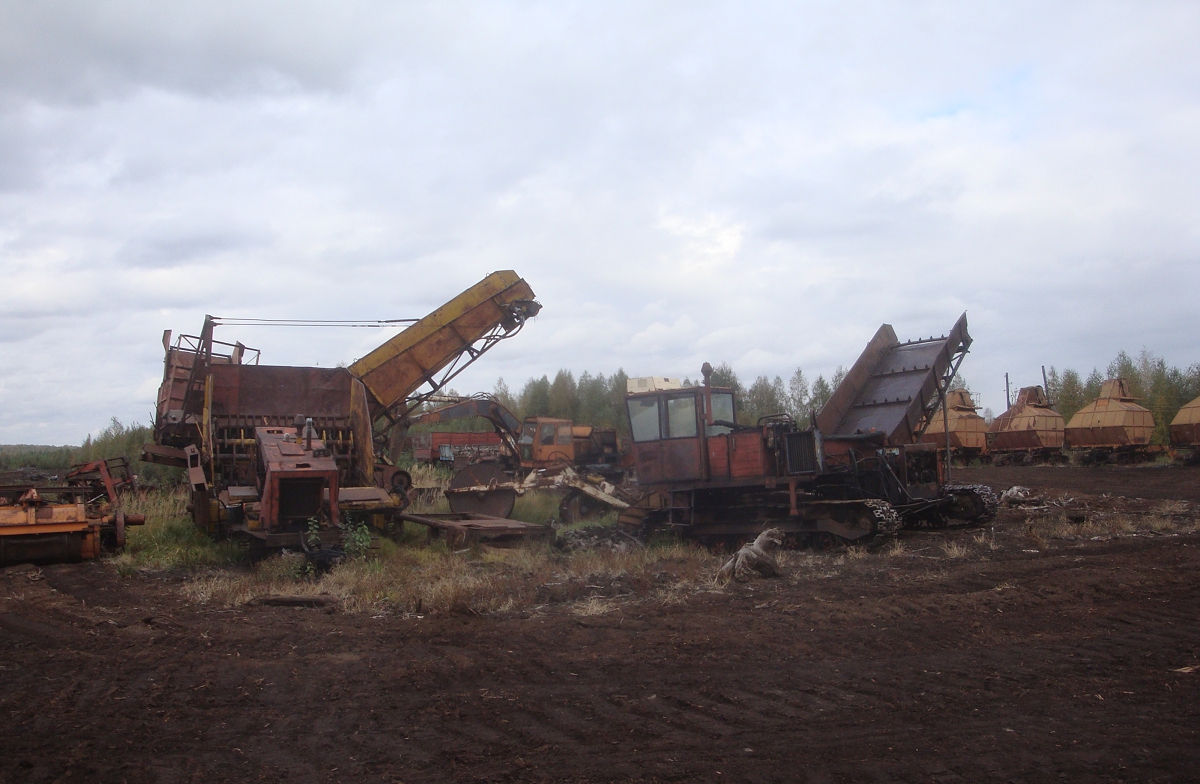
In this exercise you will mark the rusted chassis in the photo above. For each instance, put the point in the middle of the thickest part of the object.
(66, 523)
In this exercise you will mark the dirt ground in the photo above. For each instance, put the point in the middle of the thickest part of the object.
(1024, 660)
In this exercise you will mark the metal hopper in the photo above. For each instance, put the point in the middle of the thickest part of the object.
(894, 389)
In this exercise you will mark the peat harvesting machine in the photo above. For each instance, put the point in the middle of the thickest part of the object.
(856, 471)
(278, 455)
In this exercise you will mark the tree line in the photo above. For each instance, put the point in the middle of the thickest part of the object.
(116, 440)
(599, 400)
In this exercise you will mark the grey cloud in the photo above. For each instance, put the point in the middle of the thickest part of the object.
(166, 245)
(678, 182)
(72, 52)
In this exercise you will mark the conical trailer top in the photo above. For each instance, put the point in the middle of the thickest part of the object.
(1185, 427)
(1112, 420)
(1030, 424)
(968, 430)
(894, 388)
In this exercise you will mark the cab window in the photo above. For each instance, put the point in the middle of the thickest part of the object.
(564, 434)
(528, 431)
(722, 405)
(643, 419)
(547, 434)
(681, 417)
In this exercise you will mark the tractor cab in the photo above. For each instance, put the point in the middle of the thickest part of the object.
(691, 435)
(549, 442)
(546, 441)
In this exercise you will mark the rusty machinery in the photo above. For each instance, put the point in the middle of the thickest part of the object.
(968, 431)
(585, 461)
(274, 451)
(858, 471)
(1185, 429)
(1112, 425)
(67, 522)
(1029, 431)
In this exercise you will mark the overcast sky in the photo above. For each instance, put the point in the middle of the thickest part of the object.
(754, 183)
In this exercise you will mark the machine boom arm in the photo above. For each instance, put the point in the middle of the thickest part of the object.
(441, 345)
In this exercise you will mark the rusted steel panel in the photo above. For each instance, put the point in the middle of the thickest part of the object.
(968, 430)
(1112, 420)
(1030, 424)
(299, 475)
(280, 391)
(409, 360)
(859, 375)
(470, 527)
(648, 457)
(893, 386)
(748, 456)
(683, 460)
(718, 456)
(1185, 427)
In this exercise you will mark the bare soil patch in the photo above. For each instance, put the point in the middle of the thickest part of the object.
(1033, 650)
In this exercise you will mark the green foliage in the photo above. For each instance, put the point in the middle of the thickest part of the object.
(535, 398)
(564, 396)
(763, 398)
(116, 440)
(798, 400)
(169, 539)
(505, 397)
(31, 456)
(356, 539)
(821, 392)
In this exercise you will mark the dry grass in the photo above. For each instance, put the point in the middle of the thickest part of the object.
(1168, 508)
(955, 550)
(896, 549)
(986, 539)
(435, 580)
(1111, 525)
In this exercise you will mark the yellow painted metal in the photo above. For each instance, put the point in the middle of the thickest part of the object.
(403, 364)
(45, 519)
(1030, 424)
(1112, 420)
(968, 430)
(1185, 427)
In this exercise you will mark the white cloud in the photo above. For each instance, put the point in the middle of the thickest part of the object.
(760, 184)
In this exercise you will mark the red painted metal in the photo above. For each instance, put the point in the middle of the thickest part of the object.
(296, 475)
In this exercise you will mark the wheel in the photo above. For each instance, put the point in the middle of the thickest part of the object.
(401, 482)
(577, 507)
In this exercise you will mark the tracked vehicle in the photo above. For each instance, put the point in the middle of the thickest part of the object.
(856, 472)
